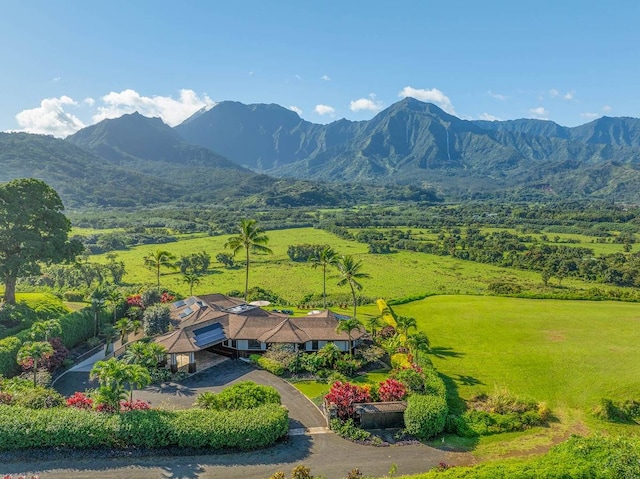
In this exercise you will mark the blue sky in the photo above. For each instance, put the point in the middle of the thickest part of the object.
(67, 64)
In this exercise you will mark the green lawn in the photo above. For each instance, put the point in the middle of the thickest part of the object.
(567, 353)
(316, 389)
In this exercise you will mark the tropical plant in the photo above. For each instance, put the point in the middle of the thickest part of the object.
(156, 319)
(349, 270)
(159, 259)
(192, 279)
(34, 351)
(345, 395)
(325, 257)
(330, 354)
(98, 298)
(123, 326)
(348, 326)
(144, 354)
(45, 329)
(112, 376)
(251, 238)
(418, 342)
(404, 323)
(373, 323)
(115, 297)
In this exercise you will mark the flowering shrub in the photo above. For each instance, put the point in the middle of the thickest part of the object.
(392, 390)
(6, 398)
(80, 401)
(103, 407)
(135, 300)
(167, 297)
(345, 396)
(137, 405)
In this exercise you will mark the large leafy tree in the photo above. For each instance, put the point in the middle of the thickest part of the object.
(350, 272)
(251, 238)
(34, 351)
(325, 257)
(159, 259)
(33, 231)
(348, 326)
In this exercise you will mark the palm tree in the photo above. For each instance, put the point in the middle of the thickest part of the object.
(192, 279)
(98, 298)
(350, 273)
(158, 259)
(113, 374)
(44, 329)
(35, 351)
(404, 323)
(115, 297)
(374, 322)
(250, 238)
(136, 376)
(145, 354)
(123, 326)
(325, 257)
(348, 325)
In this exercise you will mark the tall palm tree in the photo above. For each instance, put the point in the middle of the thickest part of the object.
(374, 322)
(350, 273)
(158, 259)
(123, 326)
(113, 374)
(145, 354)
(348, 325)
(34, 351)
(115, 297)
(136, 376)
(325, 257)
(192, 279)
(250, 238)
(98, 298)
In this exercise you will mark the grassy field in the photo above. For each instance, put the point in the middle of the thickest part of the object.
(392, 275)
(567, 353)
(315, 390)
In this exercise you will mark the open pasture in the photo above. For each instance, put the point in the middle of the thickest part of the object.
(567, 353)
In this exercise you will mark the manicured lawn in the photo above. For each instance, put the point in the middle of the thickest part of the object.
(315, 389)
(567, 353)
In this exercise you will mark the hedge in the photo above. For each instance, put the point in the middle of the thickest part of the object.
(274, 367)
(242, 395)
(22, 428)
(425, 416)
(8, 350)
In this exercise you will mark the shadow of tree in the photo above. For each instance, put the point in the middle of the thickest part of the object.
(445, 352)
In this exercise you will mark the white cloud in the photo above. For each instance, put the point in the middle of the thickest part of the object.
(369, 104)
(56, 79)
(488, 117)
(589, 115)
(540, 113)
(553, 93)
(89, 101)
(497, 96)
(434, 95)
(325, 78)
(607, 109)
(297, 77)
(172, 111)
(569, 95)
(296, 109)
(324, 110)
(50, 118)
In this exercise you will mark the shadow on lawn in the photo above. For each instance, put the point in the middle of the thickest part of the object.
(444, 352)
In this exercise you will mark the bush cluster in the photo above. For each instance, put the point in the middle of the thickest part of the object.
(425, 416)
(242, 395)
(268, 364)
(197, 428)
(608, 410)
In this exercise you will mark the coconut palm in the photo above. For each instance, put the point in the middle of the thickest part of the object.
(349, 270)
(136, 376)
(192, 279)
(325, 257)
(159, 259)
(123, 326)
(115, 297)
(349, 325)
(250, 238)
(112, 376)
(145, 354)
(45, 329)
(34, 351)
(404, 323)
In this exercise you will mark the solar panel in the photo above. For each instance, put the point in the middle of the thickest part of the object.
(209, 335)
(179, 304)
(191, 300)
(187, 311)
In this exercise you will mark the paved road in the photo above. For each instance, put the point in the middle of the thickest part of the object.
(326, 454)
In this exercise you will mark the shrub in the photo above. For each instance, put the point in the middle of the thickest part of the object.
(345, 396)
(155, 319)
(150, 296)
(137, 405)
(8, 351)
(38, 398)
(274, 367)
(391, 390)
(425, 415)
(76, 327)
(73, 296)
(348, 430)
(242, 395)
(80, 401)
(197, 428)
(348, 367)
(399, 361)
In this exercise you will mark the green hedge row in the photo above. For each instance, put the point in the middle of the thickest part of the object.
(274, 367)
(22, 428)
(425, 416)
(76, 328)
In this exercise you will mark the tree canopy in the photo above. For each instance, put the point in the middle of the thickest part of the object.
(33, 231)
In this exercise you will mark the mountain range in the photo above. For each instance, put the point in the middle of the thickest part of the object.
(267, 155)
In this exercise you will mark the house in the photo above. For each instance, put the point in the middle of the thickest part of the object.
(231, 327)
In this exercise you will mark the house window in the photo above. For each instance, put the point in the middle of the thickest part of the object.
(253, 344)
(314, 345)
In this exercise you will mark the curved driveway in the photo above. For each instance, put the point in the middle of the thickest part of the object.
(326, 454)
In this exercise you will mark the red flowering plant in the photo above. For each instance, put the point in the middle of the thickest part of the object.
(80, 401)
(135, 300)
(392, 390)
(167, 297)
(345, 396)
(137, 405)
